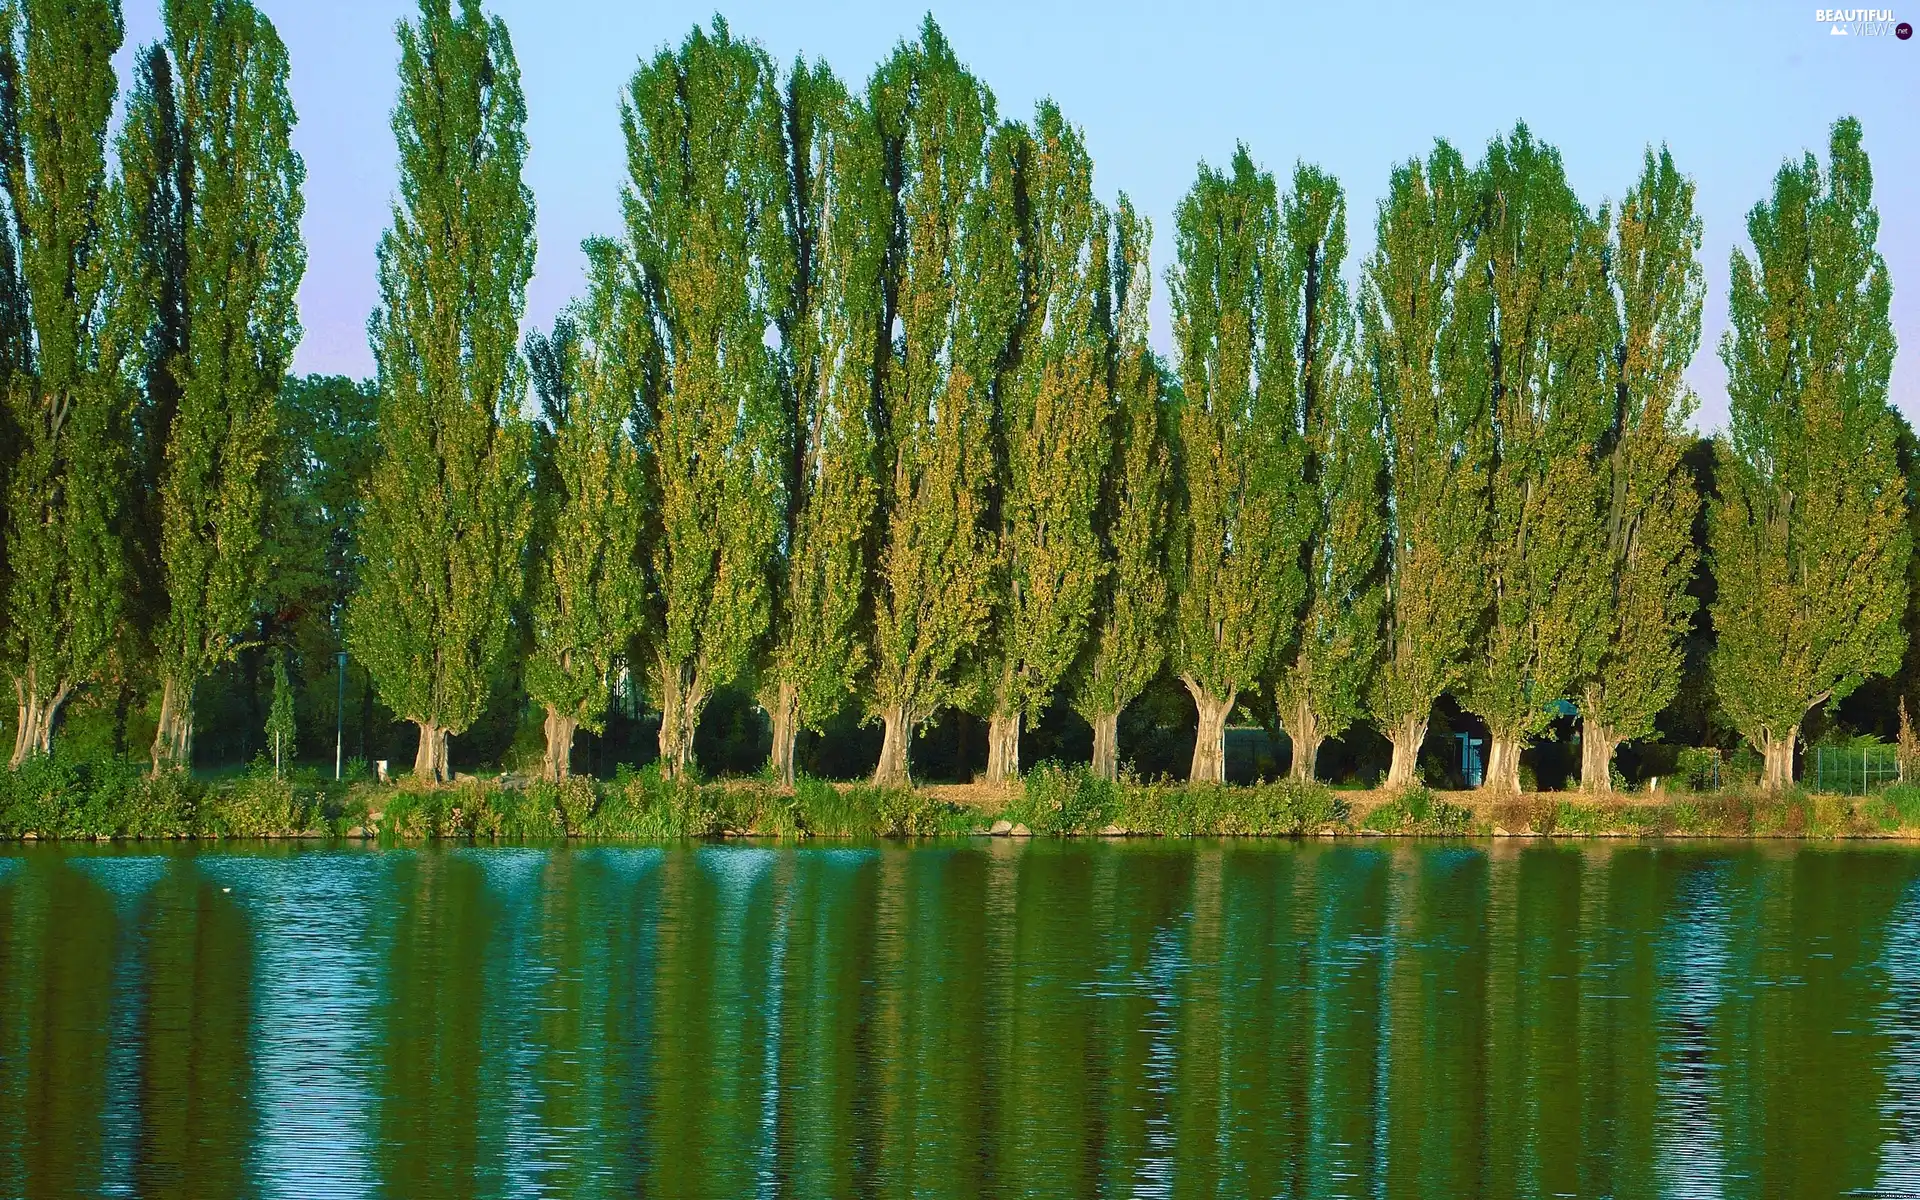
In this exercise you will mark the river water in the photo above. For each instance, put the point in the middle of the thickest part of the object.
(1148, 1018)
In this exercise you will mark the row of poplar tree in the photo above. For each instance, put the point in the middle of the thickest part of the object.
(859, 410)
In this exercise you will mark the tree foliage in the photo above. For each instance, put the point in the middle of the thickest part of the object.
(447, 512)
(1322, 690)
(702, 203)
(1126, 643)
(835, 222)
(1244, 518)
(66, 337)
(1534, 306)
(1432, 403)
(1052, 421)
(1648, 496)
(951, 298)
(1809, 533)
(239, 187)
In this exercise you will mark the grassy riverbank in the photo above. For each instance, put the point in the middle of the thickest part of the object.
(52, 799)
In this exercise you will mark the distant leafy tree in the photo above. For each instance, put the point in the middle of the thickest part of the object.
(1648, 494)
(1534, 295)
(1809, 531)
(1433, 402)
(1322, 690)
(65, 338)
(1053, 421)
(836, 223)
(586, 587)
(282, 730)
(1245, 518)
(447, 512)
(239, 184)
(952, 290)
(1127, 640)
(704, 156)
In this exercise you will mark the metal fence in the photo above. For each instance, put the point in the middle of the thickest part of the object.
(1853, 770)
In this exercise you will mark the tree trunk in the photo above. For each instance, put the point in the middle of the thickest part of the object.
(1503, 765)
(1210, 741)
(1003, 747)
(680, 706)
(172, 737)
(429, 761)
(34, 733)
(1106, 745)
(560, 731)
(785, 716)
(1778, 754)
(1303, 730)
(1597, 745)
(1407, 736)
(893, 768)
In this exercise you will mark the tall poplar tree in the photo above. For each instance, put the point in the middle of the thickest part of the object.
(448, 511)
(240, 192)
(836, 224)
(951, 299)
(1648, 493)
(1053, 425)
(705, 162)
(1322, 690)
(1808, 532)
(64, 394)
(586, 583)
(1238, 575)
(1432, 404)
(1127, 642)
(1539, 314)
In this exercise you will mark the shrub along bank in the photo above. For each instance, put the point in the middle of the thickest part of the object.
(52, 798)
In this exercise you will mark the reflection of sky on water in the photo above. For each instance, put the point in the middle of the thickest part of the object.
(789, 971)
(1692, 959)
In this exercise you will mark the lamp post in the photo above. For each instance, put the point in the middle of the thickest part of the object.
(340, 716)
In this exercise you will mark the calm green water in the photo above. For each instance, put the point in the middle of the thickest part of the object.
(1147, 1019)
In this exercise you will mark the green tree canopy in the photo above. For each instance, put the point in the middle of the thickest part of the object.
(66, 337)
(704, 158)
(1537, 311)
(240, 183)
(1322, 690)
(951, 298)
(1648, 496)
(836, 221)
(1809, 532)
(447, 511)
(1238, 578)
(1127, 643)
(1053, 422)
(1432, 400)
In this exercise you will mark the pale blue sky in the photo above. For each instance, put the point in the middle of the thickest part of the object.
(1732, 88)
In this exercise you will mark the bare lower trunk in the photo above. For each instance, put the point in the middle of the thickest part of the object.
(1777, 774)
(430, 760)
(892, 770)
(1210, 742)
(1003, 747)
(1503, 765)
(1406, 737)
(173, 738)
(560, 731)
(1303, 730)
(34, 732)
(785, 715)
(1106, 745)
(680, 706)
(1597, 746)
